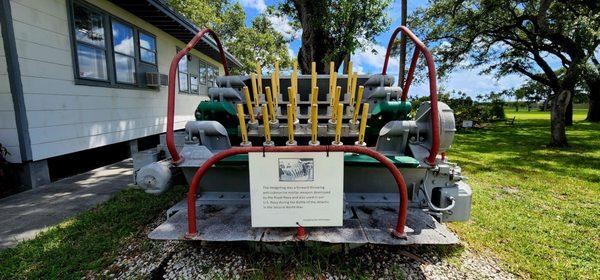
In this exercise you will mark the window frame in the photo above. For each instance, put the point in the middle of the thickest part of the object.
(191, 91)
(204, 81)
(75, 42)
(139, 49)
(187, 73)
(107, 20)
(135, 56)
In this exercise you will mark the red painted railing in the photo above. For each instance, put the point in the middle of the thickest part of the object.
(402, 208)
(177, 159)
(420, 48)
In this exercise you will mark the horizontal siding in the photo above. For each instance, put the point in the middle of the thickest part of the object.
(39, 18)
(50, 149)
(43, 53)
(64, 132)
(56, 8)
(9, 136)
(6, 103)
(33, 34)
(64, 117)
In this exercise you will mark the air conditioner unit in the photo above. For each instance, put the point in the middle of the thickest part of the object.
(156, 79)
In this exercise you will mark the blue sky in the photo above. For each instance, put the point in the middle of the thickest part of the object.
(469, 81)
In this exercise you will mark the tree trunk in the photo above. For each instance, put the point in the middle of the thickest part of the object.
(558, 132)
(317, 44)
(593, 114)
(545, 106)
(346, 62)
(569, 113)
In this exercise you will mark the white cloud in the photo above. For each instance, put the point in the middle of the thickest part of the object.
(471, 82)
(466, 80)
(282, 25)
(367, 62)
(258, 5)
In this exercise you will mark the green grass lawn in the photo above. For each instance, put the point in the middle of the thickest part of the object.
(88, 242)
(534, 207)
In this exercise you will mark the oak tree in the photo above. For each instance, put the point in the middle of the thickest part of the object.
(531, 38)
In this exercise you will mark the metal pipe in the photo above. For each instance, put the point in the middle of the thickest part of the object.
(410, 75)
(433, 98)
(176, 158)
(402, 208)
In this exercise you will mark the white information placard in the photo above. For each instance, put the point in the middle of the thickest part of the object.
(287, 189)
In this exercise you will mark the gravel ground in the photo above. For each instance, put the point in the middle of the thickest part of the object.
(149, 259)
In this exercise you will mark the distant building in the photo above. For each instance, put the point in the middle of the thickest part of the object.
(74, 76)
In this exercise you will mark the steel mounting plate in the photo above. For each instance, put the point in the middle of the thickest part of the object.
(369, 224)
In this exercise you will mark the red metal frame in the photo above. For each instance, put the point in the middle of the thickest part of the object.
(403, 206)
(177, 159)
(420, 48)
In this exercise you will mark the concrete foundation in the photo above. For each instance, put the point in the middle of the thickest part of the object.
(34, 174)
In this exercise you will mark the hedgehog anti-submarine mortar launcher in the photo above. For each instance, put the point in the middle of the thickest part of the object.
(365, 117)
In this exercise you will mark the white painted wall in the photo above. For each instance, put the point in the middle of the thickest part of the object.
(8, 127)
(66, 118)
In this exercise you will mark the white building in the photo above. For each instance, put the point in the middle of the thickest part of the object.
(73, 76)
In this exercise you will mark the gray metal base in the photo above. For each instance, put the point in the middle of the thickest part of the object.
(368, 224)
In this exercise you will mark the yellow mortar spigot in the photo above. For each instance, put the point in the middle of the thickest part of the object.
(353, 89)
(259, 77)
(338, 125)
(292, 100)
(363, 124)
(249, 104)
(314, 124)
(265, 116)
(335, 101)
(290, 119)
(254, 89)
(313, 74)
(275, 85)
(361, 90)
(270, 104)
(349, 79)
(242, 119)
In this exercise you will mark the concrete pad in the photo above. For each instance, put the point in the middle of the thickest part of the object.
(24, 215)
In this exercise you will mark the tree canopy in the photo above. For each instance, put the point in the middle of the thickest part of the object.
(259, 42)
(333, 29)
(531, 38)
